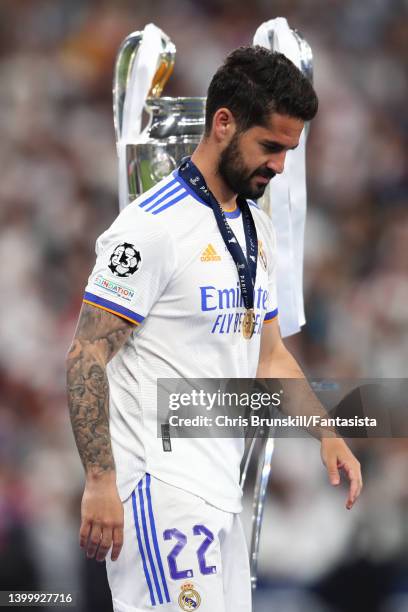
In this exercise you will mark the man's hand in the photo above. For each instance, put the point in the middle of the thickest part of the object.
(336, 456)
(102, 518)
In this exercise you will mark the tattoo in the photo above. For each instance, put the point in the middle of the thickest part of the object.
(98, 338)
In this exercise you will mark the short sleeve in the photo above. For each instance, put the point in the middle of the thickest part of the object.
(133, 266)
(270, 246)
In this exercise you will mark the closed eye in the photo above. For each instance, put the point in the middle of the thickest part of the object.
(275, 147)
(272, 147)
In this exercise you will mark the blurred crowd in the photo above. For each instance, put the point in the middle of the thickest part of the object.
(58, 192)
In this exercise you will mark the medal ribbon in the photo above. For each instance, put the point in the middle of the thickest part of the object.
(246, 267)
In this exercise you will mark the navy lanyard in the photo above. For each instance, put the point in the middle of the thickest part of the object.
(246, 267)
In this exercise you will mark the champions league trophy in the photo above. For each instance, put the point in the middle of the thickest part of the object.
(174, 127)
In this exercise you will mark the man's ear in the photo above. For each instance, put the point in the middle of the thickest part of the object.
(223, 125)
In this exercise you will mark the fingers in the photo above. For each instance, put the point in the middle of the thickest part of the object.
(90, 538)
(94, 540)
(105, 544)
(98, 541)
(84, 532)
(117, 542)
(337, 456)
(356, 483)
(333, 473)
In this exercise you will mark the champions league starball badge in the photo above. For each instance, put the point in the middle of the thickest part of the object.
(125, 260)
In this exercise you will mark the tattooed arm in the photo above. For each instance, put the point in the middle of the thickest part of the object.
(98, 338)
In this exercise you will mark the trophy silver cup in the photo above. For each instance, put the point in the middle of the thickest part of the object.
(173, 130)
(174, 127)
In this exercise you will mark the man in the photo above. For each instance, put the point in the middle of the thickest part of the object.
(184, 286)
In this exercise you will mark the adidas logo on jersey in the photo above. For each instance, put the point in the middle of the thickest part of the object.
(210, 254)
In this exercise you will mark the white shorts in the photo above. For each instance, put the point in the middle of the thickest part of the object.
(179, 553)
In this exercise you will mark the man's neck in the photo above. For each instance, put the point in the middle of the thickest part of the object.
(207, 161)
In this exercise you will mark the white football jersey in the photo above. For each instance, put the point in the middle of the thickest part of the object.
(163, 265)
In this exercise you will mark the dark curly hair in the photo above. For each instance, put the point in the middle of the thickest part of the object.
(254, 82)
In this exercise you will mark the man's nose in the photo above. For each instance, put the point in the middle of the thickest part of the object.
(277, 162)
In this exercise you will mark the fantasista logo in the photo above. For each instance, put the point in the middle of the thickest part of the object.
(228, 307)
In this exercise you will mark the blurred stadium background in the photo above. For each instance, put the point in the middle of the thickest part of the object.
(58, 191)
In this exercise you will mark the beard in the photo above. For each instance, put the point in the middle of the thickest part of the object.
(239, 178)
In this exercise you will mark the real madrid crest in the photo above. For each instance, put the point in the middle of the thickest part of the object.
(189, 599)
(262, 255)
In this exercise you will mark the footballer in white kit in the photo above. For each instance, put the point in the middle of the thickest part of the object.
(172, 295)
(163, 266)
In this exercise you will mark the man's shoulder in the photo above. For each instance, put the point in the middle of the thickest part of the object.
(146, 210)
(152, 217)
(161, 197)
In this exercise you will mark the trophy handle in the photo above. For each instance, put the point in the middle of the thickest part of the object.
(306, 55)
(306, 63)
(123, 67)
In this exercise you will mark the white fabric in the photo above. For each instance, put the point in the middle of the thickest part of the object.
(184, 295)
(152, 514)
(140, 80)
(287, 193)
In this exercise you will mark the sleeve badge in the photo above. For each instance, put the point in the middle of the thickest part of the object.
(125, 260)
